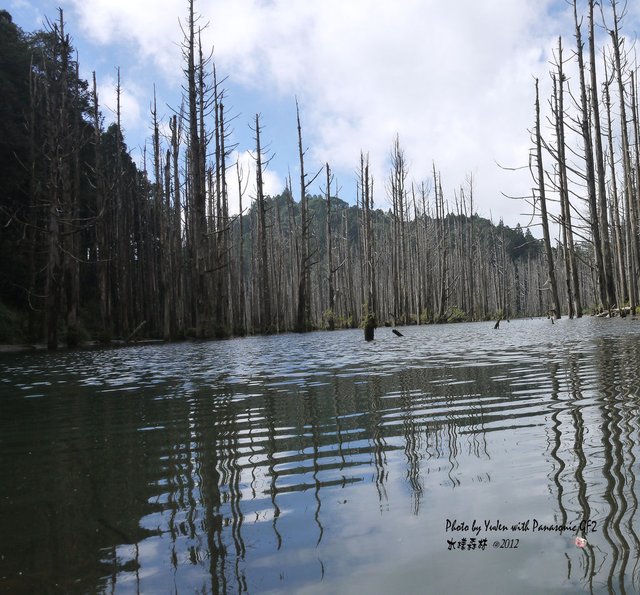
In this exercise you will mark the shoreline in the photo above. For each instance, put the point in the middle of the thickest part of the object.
(16, 348)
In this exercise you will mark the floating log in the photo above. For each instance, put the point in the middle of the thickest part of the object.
(497, 324)
(397, 333)
(135, 331)
(622, 312)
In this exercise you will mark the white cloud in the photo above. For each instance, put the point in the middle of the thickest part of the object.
(453, 79)
(132, 98)
(272, 182)
(151, 26)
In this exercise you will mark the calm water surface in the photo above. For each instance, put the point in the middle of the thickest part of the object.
(322, 464)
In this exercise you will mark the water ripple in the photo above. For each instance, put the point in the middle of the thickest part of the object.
(198, 463)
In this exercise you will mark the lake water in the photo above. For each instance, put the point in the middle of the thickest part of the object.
(443, 461)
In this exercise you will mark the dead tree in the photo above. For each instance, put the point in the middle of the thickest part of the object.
(303, 318)
(543, 211)
(631, 221)
(607, 260)
(264, 312)
(573, 284)
(197, 184)
(369, 269)
(330, 272)
(623, 290)
(590, 174)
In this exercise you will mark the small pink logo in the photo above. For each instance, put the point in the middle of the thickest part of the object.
(580, 542)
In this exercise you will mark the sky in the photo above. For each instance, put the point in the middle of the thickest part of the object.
(453, 80)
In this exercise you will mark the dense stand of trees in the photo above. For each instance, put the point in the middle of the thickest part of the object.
(94, 245)
(593, 164)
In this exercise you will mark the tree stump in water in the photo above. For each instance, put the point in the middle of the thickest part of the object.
(369, 328)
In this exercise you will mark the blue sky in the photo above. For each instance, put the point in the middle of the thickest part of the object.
(453, 79)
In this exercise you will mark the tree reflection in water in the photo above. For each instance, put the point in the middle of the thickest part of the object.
(177, 469)
(594, 441)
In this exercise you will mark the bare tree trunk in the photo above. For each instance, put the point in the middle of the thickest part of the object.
(263, 258)
(608, 272)
(631, 224)
(442, 241)
(197, 186)
(58, 180)
(590, 168)
(241, 310)
(417, 218)
(177, 260)
(573, 286)
(72, 197)
(330, 271)
(303, 319)
(168, 306)
(635, 200)
(101, 218)
(398, 199)
(225, 234)
(370, 306)
(121, 226)
(543, 213)
(163, 248)
(471, 254)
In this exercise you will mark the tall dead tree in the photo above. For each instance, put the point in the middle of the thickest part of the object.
(264, 312)
(303, 318)
(369, 269)
(442, 245)
(224, 295)
(121, 223)
(160, 187)
(543, 212)
(590, 173)
(197, 184)
(573, 285)
(631, 221)
(176, 228)
(471, 250)
(101, 252)
(397, 193)
(607, 260)
(635, 200)
(55, 88)
(623, 290)
(331, 302)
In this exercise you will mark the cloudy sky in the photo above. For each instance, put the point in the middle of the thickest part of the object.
(455, 80)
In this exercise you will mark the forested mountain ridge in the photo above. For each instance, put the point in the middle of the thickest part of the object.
(94, 247)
